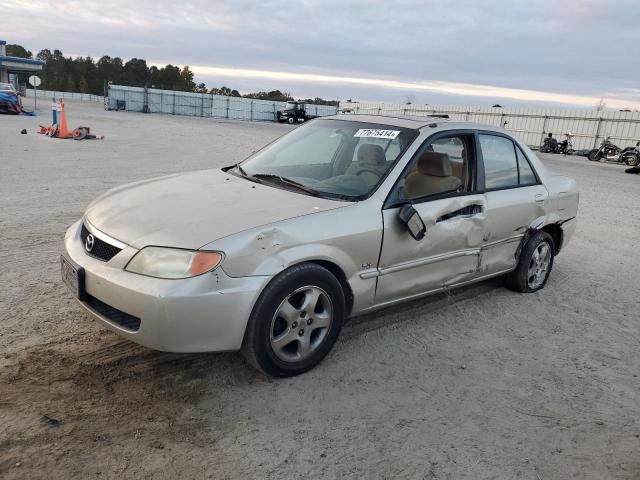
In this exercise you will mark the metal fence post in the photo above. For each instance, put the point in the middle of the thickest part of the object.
(201, 105)
(544, 128)
(228, 101)
(595, 140)
(251, 110)
(174, 103)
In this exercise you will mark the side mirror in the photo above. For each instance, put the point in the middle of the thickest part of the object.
(411, 219)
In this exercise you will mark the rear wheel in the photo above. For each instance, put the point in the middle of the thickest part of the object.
(534, 265)
(295, 322)
(632, 160)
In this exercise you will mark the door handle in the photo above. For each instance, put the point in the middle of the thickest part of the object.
(468, 211)
(539, 198)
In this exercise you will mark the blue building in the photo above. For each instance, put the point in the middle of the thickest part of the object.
(10, 66)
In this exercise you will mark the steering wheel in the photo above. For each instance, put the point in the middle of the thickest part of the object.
(369, 170)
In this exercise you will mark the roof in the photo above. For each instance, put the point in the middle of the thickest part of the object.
(3, 42)
(396, 121)
(20, 64)
(412, 121)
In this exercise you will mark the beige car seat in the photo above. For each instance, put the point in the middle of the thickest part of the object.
(370, 157)
(432, 174)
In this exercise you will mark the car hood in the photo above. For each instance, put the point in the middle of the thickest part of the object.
(193, 209)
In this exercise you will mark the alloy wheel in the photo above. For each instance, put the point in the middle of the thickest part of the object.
(539, 265)
(301, 324)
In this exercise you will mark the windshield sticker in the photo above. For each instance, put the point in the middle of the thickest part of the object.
(374, 133)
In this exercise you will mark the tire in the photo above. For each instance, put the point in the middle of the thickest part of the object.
(521, 278)
(80, 133)
(632, 160)
(291, 120)
(286, 338)
(594, 156)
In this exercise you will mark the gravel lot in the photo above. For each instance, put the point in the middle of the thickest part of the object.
(484, 383)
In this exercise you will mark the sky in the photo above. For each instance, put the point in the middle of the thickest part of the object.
(533, 53)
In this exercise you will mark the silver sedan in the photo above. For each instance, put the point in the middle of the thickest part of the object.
(337, 218)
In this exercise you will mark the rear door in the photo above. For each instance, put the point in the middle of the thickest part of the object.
(453, 211)
(515, 199)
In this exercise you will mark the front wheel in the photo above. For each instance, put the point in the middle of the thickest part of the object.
(535, 264)
(594, 156)
(291, 120)
(295, 322)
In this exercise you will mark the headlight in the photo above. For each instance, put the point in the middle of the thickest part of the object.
(173, 263)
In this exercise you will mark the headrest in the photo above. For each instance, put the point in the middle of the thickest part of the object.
(372, 154)
(435, 164)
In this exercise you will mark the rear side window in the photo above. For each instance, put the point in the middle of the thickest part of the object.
(505, 165)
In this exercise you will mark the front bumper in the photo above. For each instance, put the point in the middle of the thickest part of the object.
(200, 314)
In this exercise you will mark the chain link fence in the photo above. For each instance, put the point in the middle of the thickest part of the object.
(135, 99)
(82, 97)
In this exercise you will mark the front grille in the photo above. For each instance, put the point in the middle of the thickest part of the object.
(101, 250)
(112, 314)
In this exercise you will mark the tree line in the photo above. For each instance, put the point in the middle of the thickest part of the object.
(85, 75)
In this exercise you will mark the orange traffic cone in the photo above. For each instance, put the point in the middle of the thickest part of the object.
(63, 131)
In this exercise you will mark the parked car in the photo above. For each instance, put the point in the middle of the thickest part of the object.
(296, 112)
(10, 99)
(339, 217)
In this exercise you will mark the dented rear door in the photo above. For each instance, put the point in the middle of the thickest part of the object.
(448, 253)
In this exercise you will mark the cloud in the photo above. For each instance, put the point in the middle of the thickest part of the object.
(450, 88)
(566, 52)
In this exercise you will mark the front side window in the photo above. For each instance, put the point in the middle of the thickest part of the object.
(440, 167)
(334, 158)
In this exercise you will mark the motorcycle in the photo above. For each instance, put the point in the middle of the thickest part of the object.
(549, 145)
(607, 151)
(612, 153)
(566, 146)
(631, 155)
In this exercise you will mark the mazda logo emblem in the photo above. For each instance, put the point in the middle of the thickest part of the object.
(89, 242)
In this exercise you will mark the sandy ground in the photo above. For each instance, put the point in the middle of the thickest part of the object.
(485, 383)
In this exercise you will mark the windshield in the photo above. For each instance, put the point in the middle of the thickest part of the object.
(7, 86)
(334, 158)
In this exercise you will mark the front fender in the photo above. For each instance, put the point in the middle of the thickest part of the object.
(348, 237)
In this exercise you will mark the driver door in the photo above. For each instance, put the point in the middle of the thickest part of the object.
(440, 183)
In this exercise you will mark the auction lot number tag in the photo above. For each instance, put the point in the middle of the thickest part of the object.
(374, 133)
